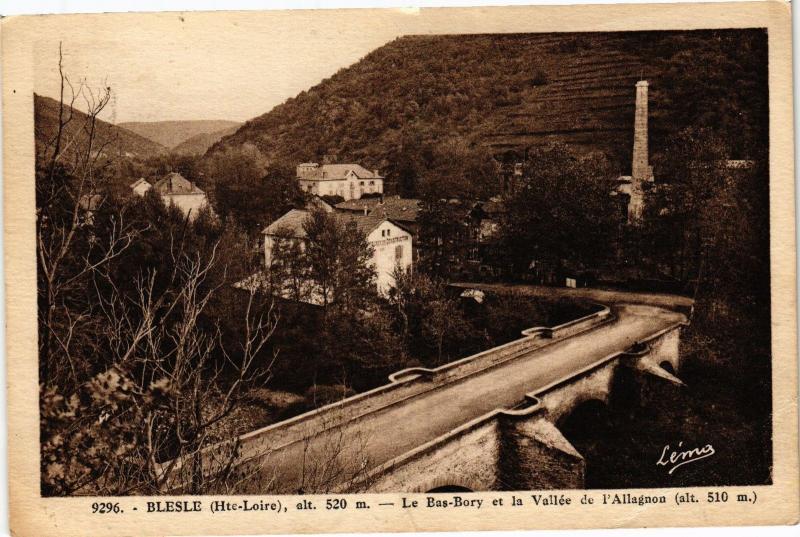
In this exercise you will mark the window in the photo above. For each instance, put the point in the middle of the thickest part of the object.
(372, 182)
(398, 252)
(388, 232)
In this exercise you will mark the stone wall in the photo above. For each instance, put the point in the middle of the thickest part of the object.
(466, 458)
(535, 456)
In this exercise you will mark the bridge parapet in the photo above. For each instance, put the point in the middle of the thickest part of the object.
(522, 448)
(533, 338)
(486, 445)
(596, 381)
(409, 383)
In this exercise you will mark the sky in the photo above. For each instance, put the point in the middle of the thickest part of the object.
(196, 66)
(239, 65)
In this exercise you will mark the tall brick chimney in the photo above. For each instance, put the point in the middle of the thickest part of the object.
(641, 170)
(641, 166)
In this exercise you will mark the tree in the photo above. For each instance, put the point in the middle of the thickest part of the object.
(460, 169)
(251, 191)
(444, 235)
(136, 368)
(431, 324)
(141, 425)
(710, 223)
(287, 274)
(562, 212)
(339, 261)
(72, 174)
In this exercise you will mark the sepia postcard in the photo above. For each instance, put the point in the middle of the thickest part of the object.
(315, 271)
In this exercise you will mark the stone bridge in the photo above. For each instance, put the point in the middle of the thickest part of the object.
(485, 422)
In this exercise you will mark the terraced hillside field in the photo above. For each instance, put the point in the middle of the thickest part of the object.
(510, 92)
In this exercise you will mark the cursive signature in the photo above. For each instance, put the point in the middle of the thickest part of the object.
(676, 458)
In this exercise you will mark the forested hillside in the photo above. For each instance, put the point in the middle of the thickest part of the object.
(114, 140)
(412, 104)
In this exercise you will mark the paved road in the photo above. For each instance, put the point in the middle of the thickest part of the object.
(394, 430)
(604, 296)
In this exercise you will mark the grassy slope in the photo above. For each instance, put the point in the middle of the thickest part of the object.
(121, 141)
(513, 91)
(173, 133)
(199, 143)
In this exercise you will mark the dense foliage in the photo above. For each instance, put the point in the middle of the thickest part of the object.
(561, 211)
(418, 96)
(249, 190)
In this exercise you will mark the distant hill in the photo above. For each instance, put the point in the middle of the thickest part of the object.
(121, 142)
(509, 92)
(199, 143)
(170, 134)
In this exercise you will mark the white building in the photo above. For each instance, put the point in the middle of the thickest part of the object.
(141, 186)
(176, 190)
(391, 243)
(350, 181)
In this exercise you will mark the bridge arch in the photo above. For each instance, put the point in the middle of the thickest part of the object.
(597, 384)
(450, 483)
(667, 366)
(449, 488)
(584, 417)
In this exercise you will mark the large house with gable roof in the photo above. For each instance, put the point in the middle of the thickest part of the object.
(350, 181)
(176, 190)
(391, 242)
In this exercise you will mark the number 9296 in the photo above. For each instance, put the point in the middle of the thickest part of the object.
(103, 508)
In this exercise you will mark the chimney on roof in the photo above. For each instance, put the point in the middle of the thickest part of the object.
(375, 172)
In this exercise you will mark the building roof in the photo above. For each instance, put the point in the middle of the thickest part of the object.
(175, 183)
(292, 223)
(397, 208)
(140, 181)
(318, 203)
(390, 208)
(358, 205)
(364, 224)
(338, 172)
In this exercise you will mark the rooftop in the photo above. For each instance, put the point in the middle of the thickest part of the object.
(392, 207)
(334, 172)
(140, 181)
(292, 223)
(175, 183)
